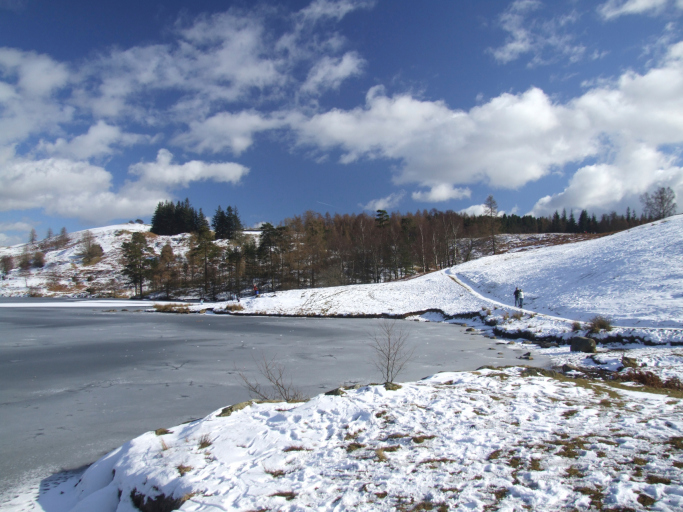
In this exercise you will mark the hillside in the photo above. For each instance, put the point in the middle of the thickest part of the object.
(634, 277)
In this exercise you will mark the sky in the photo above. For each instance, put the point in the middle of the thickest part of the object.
(340, 106)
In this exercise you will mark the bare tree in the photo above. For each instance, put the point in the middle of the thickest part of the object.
(275, 374)
(660, 205)
(391, 349)
(491, 212)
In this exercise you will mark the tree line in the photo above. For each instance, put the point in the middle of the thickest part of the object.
(316, 250)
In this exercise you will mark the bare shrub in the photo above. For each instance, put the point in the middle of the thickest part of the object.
(650, 380)
(599, 323)
(518, 315)
(576, 326)
(275, 373)
(234, 307)
(205, 441)
(391, 349)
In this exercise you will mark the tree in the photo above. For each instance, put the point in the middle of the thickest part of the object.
(391, 349)
(62, 239)
(6, 264)
(33, 236)
(660, 205)
(90, 251)
(136, 260)
(491, 213)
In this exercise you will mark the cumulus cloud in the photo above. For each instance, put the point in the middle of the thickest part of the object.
(78, 189)
(385, 203)
(507, 142)
(441, 192)
(100, 139)
(164, 172)
(545, 39)
(514, 139)
(615, 8)
(226, 130)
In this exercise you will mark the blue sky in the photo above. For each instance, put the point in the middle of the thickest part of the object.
(107, 108)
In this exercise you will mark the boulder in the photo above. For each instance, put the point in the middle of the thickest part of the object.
(546, 344)
(581, 344)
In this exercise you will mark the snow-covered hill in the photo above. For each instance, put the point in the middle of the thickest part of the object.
(634, 277)
(65, 274)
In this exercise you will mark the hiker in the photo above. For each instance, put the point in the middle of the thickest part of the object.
(516, 294)
(520, 298)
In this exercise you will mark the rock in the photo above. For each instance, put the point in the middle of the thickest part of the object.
(581, 344)
(470, 329)
(566, 368)
(336, 392)
(390, 386)
(629, 362)
(526, 356)
(546, 344)
(227, 411)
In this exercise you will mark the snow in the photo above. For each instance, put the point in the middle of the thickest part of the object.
(633, 277)
(504, 439)
(469, 441)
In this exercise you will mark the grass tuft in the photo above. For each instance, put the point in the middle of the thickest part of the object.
(171, 308)
(288, 495)
(205, 441)
(162, 431)
(183, 469)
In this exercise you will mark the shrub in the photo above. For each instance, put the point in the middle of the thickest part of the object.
(39, 259)
(234, 307)
(650, 379)
(517, 315)
(576, 326)
(599, 323)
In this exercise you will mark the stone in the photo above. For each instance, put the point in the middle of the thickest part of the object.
(581, 344)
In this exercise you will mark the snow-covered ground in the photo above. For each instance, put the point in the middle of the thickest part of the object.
(484, 440)
(505, 439)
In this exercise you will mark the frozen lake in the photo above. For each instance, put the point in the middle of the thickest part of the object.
(76, 382)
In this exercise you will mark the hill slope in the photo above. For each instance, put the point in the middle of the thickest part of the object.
(634, 277)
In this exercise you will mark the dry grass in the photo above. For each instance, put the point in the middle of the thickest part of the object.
(183, 469)
(171, 308)
(288, 495)
(650, 380)
(354, 446)
(275, 473)
(296, 449)
(421, 439)
(205, 441)
(162, 431)
(599, 323)
(234, 307)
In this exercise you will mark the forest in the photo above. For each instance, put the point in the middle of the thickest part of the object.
(316, 250)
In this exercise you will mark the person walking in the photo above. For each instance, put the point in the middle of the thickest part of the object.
(516, 294)
(520, 298)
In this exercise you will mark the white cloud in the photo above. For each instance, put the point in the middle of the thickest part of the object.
(226, 131)
(164, 173)
(474, 210)
(98, 141)
(514, 139)
(535, 36)
(507, 142)
(332, 9)
(330, 72)
(78, 189)
(28, 82)
(385, 203)
(615, 8)
(441, 192)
